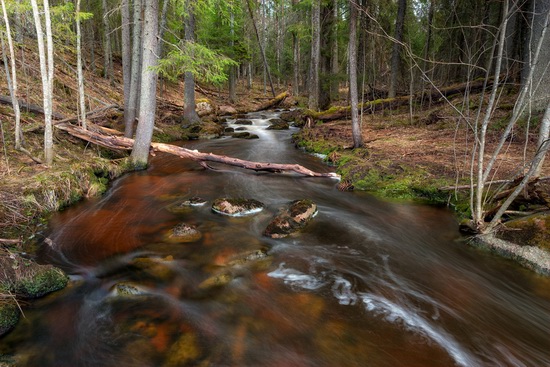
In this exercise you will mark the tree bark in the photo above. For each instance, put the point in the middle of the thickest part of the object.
(146, 123)
(354, 99)
(189, 112)
(314, 89)
(136, 72)
(123, 143)
(13, 85)
(396, 51)
(232, 69)
(46, 73)
(108, 53)
(80, 75)
(126, 56)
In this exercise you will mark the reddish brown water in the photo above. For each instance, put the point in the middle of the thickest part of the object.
(368, 283)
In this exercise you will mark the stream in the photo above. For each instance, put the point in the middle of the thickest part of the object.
(367, 283)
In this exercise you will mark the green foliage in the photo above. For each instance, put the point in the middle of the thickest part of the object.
(206, 65)
(9, 315)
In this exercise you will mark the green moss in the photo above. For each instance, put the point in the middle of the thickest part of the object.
(45, 281)
(9, 315)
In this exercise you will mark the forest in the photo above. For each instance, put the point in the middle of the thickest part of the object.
(442, 102)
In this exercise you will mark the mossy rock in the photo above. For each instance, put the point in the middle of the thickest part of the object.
(237, 207)
(186, 204)
(45, 280)
(245, 135)
(278, 124)
(9, 315)
(533, 230)
(290, 220)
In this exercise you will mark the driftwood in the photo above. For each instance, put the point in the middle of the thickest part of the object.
(30, 107)
(336, 113)
(122, 143)
(272, 102)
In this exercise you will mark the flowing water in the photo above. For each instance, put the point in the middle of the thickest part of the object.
(367, 283)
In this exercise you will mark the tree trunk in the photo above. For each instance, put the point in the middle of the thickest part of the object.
(13, 85)
(126, 56)
(80, 75)
(261, 48)
(144, 131)
(354, 99)
(314, 90)
(542, 143)
(396, 51)
(46, 71)
(334, 65)
(108, 53)
(189, 113)
(232, 69)
(136, 72)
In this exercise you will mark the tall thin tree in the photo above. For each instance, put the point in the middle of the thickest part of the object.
(314, 88)
(46, 72)
(189, 112)
(135, 72)
(396, 51)
(352, 67)
(80, 74)
(13, 84)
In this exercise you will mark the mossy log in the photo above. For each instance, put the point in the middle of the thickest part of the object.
(336, 113)
(122, 143)
(273, 102)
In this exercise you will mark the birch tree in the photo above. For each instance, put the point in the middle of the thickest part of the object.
(146, 121)
(81, 96)
(12, 80)
(352, 67)
(46, 72)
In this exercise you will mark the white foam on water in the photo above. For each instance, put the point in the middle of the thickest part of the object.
(395, 313)
(341, 289)
(296, 278)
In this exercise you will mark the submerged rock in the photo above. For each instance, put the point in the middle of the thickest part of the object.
(186, 204)
(156, 268)
(291, 219)
(229, 130)
(127, 289)
(183, 233)
(237, 207)
(278, 124)
(184, 351)
(243, 122)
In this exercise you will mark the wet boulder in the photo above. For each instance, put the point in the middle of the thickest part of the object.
(245, 135)
(183, 233)
(294, 116)
(243, 122)
(227, 110)
(229, 130)
(533, 230)
(277, 124)
(291, 219)
(237, 207)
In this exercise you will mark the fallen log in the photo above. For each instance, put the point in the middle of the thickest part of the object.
(30, 107)
(437, 96)
(122, 143)
(272, 102)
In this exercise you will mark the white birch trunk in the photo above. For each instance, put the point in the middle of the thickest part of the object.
(46, 73)
(13, 87)
(81, 96)
(355, 124)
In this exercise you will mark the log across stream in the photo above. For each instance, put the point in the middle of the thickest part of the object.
(365, 283)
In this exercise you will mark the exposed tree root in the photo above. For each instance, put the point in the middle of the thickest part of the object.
(122, 143)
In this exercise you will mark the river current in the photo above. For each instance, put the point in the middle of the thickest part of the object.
(367, 283)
